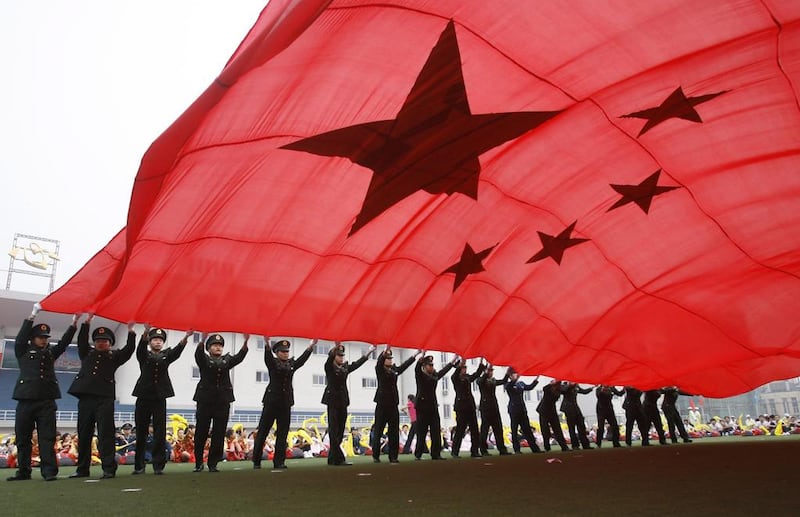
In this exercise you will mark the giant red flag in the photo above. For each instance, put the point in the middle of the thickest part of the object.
(601, 192)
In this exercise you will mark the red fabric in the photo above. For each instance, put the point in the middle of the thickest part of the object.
(606, 195)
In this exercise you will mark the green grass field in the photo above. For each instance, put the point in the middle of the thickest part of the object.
(756, 476)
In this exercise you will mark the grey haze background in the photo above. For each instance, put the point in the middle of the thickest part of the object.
(87, 85)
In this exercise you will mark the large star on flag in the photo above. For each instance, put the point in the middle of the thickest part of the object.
(554, 246)
(677, 105)
(434, 142)
(469, 263)
(641, 194)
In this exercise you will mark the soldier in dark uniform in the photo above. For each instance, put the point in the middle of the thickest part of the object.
(466, 414)
(428, 407)
(36, 392)
(575, 421)
(337, 398)
(671, 413)
(634, 413)
(605, 413)
(490, 412)
(152, 390)
(652, 416)
(278, 399)
(213, 395)
(519, 413)
(548, 416)
(386, 401)
(95, 388)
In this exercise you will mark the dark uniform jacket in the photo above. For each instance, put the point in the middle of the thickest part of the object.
(462, 386)
(550, 395)
(604, 396)
(336, 389)
(515, 390)
(215, 376)
(671, 397)
(154, 381)
(386, 394)
(96, 376)
(651, 398)
(37, 376)
(280, 390)
(426, 386)
(570, 401)
(488, 388)
(633, 399)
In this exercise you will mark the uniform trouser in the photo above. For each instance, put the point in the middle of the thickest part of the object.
(412, 433)
(653, 417)
(280, 414)
(42, 415)
(607, 415)
(386, 415)
(428, 420)
(521, 422)
(673, 421)
(551, 427)
(94, 410)
(147, 411)
(466, 418)
(635, 415)
(490, 418)
(337, 416)
(577, 428)
(206, 414)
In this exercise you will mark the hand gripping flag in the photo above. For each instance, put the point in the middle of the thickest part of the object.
(601, 193)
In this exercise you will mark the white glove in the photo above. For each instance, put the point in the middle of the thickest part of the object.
(36, 308)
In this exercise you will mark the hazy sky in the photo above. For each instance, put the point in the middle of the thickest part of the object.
(87, 86)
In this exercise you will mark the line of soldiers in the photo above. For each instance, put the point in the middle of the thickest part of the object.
(37, 390)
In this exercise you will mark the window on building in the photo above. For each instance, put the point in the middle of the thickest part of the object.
(318, 380)
(369, 382)
(196, 337)
(260, 344)
(527, 396)
(475, 387)
(262, 377)
(447, 410)
(195, 372)
(443, 357)
(795, 408)
(445, 385)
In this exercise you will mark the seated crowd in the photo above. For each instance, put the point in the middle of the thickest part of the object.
(310, 442)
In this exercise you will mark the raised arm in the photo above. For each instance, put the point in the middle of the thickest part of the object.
(123, 355)
(477, 373)
(174, 353)
(300, 361)
(66, 339)
(24, 334)
(200, 356)
(408, 362)
(141, 348)
(361, 360)
(441, 373)
(83, 337)
(533, 384)
(240, 355)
